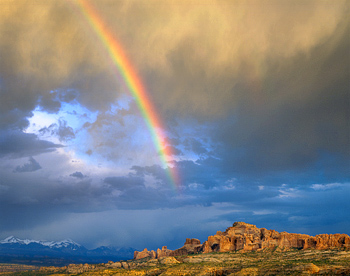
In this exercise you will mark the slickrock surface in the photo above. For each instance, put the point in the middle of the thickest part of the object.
(247, 237)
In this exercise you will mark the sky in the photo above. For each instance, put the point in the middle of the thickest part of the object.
(254, 100)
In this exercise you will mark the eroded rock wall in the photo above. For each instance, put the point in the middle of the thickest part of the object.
(247, 237)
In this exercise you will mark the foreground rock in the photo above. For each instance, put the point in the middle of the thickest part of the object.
(247, 237)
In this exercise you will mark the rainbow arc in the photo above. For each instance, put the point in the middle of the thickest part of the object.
(135, 86)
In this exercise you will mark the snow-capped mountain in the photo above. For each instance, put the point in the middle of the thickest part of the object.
(68, 243)
(13, 249)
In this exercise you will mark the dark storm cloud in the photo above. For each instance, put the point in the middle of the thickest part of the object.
(35, 201)
(302, 211)
(195, 145)
(205, 71)
(137, 194)
(17, 144)
(63, 131)
(50, 103)
(267, 82)
(201, 71)
(27, 197)
(67, 95)
(124, 183)
(78, 175)
(265, 201)
(155, 170)
(14, 118)
(31, 166)
(264, 205)
(46, 60)
(299, 116)
(51, 129)
(257, 92)
(206, 172)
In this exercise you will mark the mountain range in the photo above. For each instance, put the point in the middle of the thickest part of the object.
(28, 251)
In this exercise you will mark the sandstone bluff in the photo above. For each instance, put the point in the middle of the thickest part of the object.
(247, 237)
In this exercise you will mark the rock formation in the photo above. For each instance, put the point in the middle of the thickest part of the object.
(247, 237)
(145, 254)
(191, 246)
(164, 252)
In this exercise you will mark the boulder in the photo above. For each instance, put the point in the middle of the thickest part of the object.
(307, 268)
(115, 265)
(168, 260)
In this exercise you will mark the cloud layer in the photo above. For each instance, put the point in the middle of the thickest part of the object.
(254, 97)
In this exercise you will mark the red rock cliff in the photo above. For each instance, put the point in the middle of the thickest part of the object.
(247, 237)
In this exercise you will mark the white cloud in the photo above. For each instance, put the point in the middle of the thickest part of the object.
(323, 187)
(286, 192)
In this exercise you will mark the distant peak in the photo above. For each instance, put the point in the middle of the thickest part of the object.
(52, 244)
(9, 239)
(13, 239)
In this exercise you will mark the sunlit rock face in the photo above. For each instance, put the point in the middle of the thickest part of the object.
(144, 254)
(191, 246)
(247, 237)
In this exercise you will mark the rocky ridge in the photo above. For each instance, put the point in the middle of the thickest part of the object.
(247, 237)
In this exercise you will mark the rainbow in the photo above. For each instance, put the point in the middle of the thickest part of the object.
(136, 87)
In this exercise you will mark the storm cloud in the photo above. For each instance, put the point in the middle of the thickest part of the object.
(15, 143)
(253, 97)
(31, 166)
